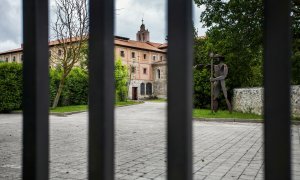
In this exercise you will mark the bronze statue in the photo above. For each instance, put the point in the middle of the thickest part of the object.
(220, 73)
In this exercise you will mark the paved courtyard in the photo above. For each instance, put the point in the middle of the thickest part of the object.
(221, 150)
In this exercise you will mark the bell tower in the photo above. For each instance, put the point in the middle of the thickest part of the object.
(143, 34)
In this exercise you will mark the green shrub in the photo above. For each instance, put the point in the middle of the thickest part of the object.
(75, 91)
(202, 88)
(54, 76)
(121, 76)
(10, 86)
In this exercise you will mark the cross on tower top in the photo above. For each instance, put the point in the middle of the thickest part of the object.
(143, 34)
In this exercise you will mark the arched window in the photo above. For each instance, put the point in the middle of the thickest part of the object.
(142, 89)
(158, 74)
(148, 88)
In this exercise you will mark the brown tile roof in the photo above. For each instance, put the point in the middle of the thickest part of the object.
(11, 51)
(120, 41)
(138, 45)
(158, 45)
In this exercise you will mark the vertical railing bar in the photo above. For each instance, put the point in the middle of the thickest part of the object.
(35, 90)
(179, 135)
(277, 50)
(101, 90)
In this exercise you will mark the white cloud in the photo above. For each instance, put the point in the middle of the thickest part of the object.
(10, 24)
(8, 45)
(129, 14)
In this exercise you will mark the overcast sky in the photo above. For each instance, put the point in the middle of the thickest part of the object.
(129, 14)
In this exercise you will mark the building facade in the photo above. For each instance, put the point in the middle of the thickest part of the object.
(146, 62)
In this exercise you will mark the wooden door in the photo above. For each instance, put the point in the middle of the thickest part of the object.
(134, 93)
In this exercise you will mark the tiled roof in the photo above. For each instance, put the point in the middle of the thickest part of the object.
(158, 45)
(11, 51)
(138, 45)
(151, 46)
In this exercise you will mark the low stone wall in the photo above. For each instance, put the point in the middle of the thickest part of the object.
(250, 100)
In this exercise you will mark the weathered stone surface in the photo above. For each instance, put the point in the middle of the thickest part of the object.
(160, 81)
(250, 100)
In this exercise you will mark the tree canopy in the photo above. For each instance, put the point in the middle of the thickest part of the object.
(235, 30)
(121, 76)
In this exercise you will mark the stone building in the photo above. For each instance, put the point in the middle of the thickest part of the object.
(146, 62)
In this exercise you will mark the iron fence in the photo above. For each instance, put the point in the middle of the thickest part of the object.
(277, 39)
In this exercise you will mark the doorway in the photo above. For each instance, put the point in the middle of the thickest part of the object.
(134, 93)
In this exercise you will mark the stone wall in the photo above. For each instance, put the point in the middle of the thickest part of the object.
(137, 84)
(160, 83)
(250, 100)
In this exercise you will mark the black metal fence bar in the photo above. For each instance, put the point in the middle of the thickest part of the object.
(179, 126)
(101, 90)
(277, 49)
(36, 90)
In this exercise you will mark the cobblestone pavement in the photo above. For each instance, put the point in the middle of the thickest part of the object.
(221, 150)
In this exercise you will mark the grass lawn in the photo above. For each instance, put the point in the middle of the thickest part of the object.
(127, 103)
(77, 108)
(69, 109)
(157, 100)
(206, 113)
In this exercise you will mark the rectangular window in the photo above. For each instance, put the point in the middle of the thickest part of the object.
(122, 53)
(133, 54)
(14, 58)
(153, 57)
(161, 58)
(145, 56)
(59, 52)
(145, 70)
(7, 59)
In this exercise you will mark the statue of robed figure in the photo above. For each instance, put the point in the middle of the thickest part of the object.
(219, 71)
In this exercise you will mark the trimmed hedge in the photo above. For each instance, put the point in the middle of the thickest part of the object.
(10, 86)
(75, 91)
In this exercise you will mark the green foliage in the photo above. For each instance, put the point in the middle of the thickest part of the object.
(75, 91)
(54, 75)
(235, 30)
(205, 113)
(296, 43)
(121, 76)
(10, 86)
(202, 88)
(76, 88)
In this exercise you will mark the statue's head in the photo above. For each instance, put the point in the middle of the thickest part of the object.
(219, 58)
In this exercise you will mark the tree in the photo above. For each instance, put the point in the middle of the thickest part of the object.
(71, 30)
(235, 30)
(121, 76)
(131, 69)
(296, 42)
